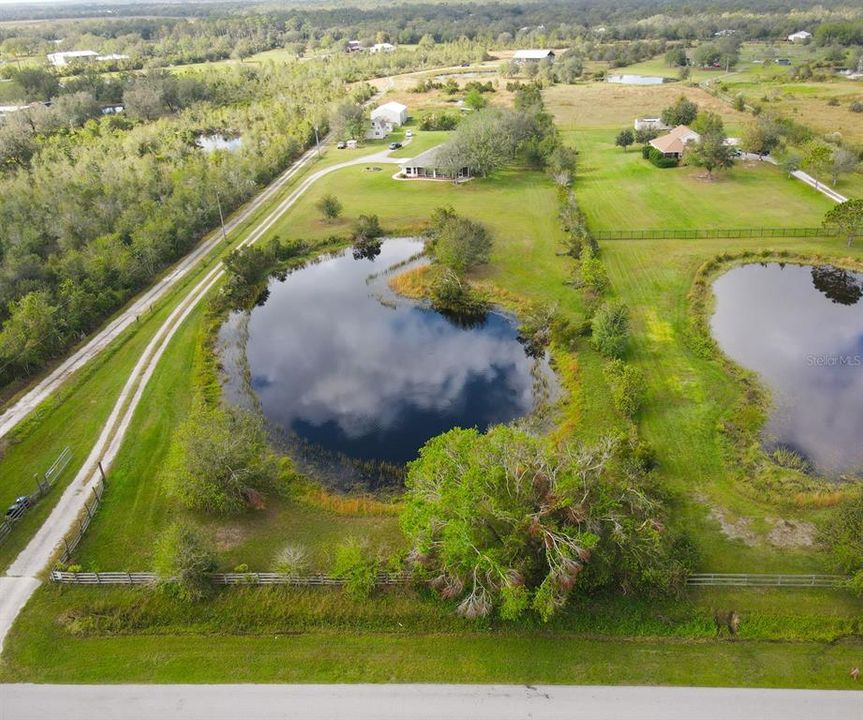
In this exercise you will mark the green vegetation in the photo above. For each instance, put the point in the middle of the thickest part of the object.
(684, 472)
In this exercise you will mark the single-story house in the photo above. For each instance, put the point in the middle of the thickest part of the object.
(650, 124)
(674, 143)
(112, 57)
(526, 56)
(800, 36)
(425, 165)
(382, 47)
(59, 59)
(393, 113)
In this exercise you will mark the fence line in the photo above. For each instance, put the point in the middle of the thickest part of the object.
(401, 578)
(43, 487)
(70, 542)
(150, 578)
(764, 580)
(714, 233)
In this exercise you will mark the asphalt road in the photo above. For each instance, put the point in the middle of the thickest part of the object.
(420, 702)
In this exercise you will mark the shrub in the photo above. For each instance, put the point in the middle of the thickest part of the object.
(183, 559)
(352, 564)
(657, 158)
(367, 227)
(593, 275)
(458, 243)
(453, 296)
(844, 537)
(292, 559)
(856, 107)
(439, 121)
(627, 387)
(610, 329)
(330, 206)
(221, 462)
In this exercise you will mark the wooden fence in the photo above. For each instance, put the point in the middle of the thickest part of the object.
(43, 487)
(70, 542)
(694, 580)
(714, 233)
(765, 580)
(149, 578)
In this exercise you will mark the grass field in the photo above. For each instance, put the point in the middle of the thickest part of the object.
(277, 635)
(789, 638)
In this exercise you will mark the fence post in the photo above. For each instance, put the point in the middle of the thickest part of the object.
(102, 472)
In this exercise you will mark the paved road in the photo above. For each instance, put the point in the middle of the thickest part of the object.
(420, 702)
(23, 576)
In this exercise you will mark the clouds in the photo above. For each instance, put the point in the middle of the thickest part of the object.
(332, 362)
(810, 352)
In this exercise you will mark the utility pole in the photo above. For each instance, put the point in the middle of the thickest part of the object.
(221, 218)
(317, 140)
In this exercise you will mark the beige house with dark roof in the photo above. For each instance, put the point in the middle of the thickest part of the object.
(674, 143)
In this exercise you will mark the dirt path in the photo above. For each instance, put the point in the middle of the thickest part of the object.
(23, 576)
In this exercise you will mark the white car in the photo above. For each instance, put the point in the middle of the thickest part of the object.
(409, 133)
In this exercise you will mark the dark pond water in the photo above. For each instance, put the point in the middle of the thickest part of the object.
(801, 329)
(338, 361)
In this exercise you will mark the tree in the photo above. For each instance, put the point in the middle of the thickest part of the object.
(711, 153)
(221, 462)
(817, 156)
(847, 218)
(709, 123)
(31, 334)
(610, 329)
(676, 57)
(625, 138)
(458, 243)
(844, 161)
(330, 207)
(682, 112)
(349, 121)
(367, 227)
(475, 100)
(507, 522)
(569, 69)
(761, 136)
(183, 559)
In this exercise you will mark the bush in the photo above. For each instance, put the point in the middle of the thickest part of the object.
(439, 121)
(593, 275)
(453, 296)
(610, 329)
(458, 243)
(221, 462)
(367, 227)
(183, 559)
(657, 158)
(856, 107)
(292, 559)
(844, 537)
(329, 206)
(352, 564)
(627, 387)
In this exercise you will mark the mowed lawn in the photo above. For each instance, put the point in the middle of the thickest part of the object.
(622, 190)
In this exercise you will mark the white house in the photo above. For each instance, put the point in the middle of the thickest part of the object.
(650, 124)
(425, 166)
(111, 57)
(800, 36)
(378, 129)
(382, 47)
(526, 56)
(59, 59)
(393, 113)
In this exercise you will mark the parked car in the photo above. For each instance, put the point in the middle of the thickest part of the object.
(395, 145)
(18, 507)
(409, 133)
(341, 145)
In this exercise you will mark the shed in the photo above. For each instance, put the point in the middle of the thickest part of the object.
(393, 113)
(525, 56)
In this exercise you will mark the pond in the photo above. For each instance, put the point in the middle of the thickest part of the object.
(343, 368)
(637, 79)
(801, 329)
(217, 141)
